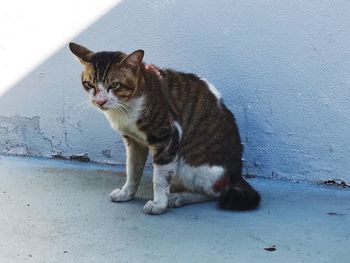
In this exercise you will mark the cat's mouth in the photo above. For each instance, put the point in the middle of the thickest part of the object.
(103, 107)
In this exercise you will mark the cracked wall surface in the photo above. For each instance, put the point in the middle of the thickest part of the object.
(23, 136)
(282, 68)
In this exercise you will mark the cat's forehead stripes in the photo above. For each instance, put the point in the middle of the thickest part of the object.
(102, 63)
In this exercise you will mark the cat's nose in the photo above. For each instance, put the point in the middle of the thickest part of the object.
(101, 102)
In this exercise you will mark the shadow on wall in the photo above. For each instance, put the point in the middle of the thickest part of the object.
(282, 69)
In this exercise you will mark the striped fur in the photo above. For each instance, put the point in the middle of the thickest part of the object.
(180, 118)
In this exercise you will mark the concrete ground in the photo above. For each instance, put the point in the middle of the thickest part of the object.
(58, 211)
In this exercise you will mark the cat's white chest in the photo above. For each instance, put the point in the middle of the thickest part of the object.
(132, 131)
(126, 126)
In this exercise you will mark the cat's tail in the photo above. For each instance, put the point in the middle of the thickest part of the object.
(239, 195)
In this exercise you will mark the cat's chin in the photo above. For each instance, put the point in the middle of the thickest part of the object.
(102, 108)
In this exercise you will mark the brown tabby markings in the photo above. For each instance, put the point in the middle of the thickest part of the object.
(210, 136)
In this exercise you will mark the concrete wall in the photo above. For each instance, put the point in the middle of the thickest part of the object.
(283, 68)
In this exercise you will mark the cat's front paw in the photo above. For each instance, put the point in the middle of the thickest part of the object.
(153, 208)
(120, 195)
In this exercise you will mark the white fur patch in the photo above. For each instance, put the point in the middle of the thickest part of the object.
(124, 121)
(200, 178)
(100, 86)
(179, 128)
(161, 182)
(213, 89)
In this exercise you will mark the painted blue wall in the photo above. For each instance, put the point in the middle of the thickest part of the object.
(283, 68)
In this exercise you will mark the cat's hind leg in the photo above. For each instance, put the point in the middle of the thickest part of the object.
(185, 198)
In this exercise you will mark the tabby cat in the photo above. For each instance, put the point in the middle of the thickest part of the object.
(181, 119)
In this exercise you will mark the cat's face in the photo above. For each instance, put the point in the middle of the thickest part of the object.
(111, 79)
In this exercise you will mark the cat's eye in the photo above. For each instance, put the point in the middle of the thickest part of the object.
(88, 86)
(114, 86)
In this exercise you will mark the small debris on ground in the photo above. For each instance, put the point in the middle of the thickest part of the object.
(335, 214)
(271, 249)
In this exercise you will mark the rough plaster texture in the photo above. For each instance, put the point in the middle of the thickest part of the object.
(282, 67)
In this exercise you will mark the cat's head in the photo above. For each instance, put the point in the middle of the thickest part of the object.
(111, 79)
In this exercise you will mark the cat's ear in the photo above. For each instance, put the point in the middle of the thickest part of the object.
(135, 58)
(83, 54)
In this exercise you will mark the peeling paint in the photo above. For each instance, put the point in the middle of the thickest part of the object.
(23, 136)
(336, 183)
(76, 157)
(81, 158)
(106, 153)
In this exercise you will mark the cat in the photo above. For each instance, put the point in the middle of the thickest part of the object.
(181, 119)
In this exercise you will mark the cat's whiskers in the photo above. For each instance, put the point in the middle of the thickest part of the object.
(84, 108)
(81, 106)
(130, 107)
(76, 111)
(123, 108)
(80, 103)
(123, 113)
